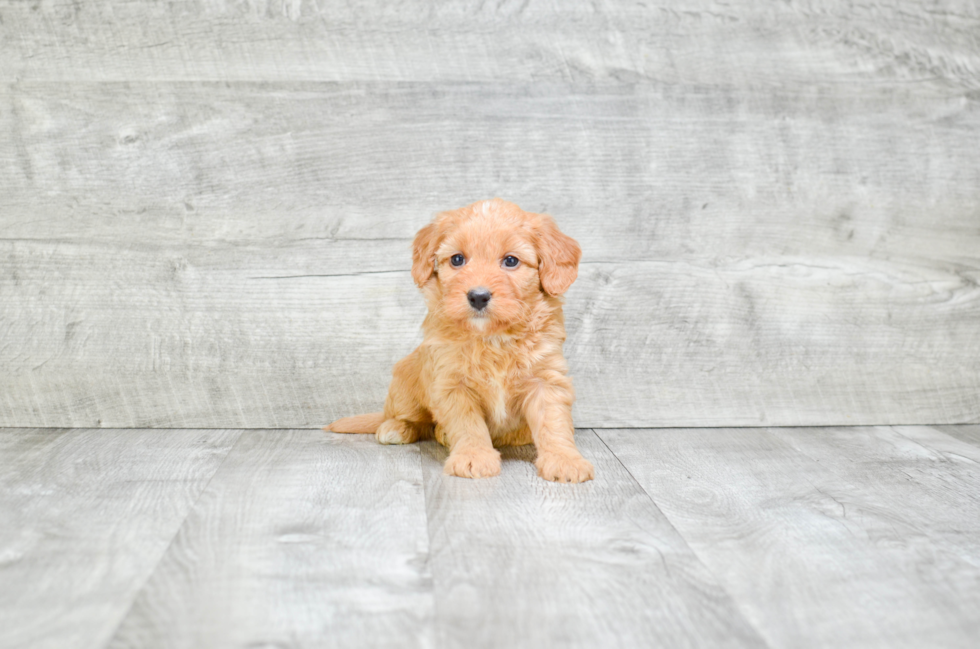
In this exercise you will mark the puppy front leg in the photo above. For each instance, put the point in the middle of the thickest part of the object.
(548, 411)
(462, 429)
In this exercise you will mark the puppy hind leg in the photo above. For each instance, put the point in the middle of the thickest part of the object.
(400, 431)
(406, 420)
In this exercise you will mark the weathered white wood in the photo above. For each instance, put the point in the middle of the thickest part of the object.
(968, 434)
(824, 537)
(301, 539)
(86, 515)
(520, 562)
(701, 42)
(199, 338)
(635, 172)
(934, 476)
(779, 228)
(955, 443)
(786, 537)
(231, 304)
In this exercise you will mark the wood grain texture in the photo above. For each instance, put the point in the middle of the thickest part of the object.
(237, 255)
(301, 539)
(703, 42)
(861, 536)
(520, 562)
(206, 207)
(935, 477)
(87, 514)
(968, 434)
(825, 537)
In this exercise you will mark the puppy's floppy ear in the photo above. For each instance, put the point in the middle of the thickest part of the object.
(424, 253)
(559, 256)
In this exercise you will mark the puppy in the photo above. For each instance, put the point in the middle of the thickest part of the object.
(490, 370)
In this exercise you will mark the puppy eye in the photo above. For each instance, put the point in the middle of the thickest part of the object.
(510, 261)
(457, 260)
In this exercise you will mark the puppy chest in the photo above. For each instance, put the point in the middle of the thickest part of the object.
(496, 403)
(495, 375)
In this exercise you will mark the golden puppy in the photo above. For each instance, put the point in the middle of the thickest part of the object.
(490, 370)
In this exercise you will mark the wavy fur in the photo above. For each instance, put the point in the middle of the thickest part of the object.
(495, 377)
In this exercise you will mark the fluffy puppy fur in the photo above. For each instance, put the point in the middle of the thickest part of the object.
(490, 376)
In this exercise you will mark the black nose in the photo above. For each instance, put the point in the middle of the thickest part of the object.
(478, 298)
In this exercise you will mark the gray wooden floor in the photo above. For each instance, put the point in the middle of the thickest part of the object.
(778, 537)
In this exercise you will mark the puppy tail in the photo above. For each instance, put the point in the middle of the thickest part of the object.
(357, 424)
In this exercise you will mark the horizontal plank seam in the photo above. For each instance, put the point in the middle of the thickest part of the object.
(974, 422)
(353, 274)
(210, 240)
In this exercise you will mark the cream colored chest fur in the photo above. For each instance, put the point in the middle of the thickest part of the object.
(496, 371)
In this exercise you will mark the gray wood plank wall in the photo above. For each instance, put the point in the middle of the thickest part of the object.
(206, 209)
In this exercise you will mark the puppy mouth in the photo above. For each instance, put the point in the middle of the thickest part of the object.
(480, 320)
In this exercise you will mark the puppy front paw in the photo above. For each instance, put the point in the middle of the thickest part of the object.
(564, 468)
(482, 463)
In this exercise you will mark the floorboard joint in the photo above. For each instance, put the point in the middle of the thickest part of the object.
(170, 543)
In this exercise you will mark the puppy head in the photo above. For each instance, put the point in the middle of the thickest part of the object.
(491, 266)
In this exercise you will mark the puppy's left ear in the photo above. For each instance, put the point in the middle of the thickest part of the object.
(559, 256)
(424, 254)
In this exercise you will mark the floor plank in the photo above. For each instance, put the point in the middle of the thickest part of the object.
(87, 514)
(723, 537)
(817, 534)
(964, 433)
(301, 539)
(520, 562)
(917, 487)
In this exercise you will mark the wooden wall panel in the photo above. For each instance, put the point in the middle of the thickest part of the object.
(205, 217)
(742, 43)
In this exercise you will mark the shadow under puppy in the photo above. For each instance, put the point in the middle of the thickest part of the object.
(490, 370)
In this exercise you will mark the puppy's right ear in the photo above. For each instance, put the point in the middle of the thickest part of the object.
(424, 254)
